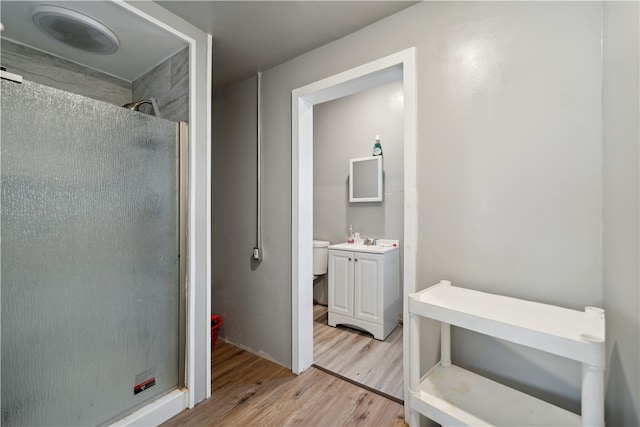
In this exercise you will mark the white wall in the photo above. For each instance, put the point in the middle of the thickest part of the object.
(345, 129)
(621, 211)
(510, 186)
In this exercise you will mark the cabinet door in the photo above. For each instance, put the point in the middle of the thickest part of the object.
(341, 282)
(367, 287)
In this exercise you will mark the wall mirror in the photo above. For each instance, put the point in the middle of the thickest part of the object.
(365, 179)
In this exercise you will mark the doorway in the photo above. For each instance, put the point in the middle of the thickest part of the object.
(346, 128)
(399, 66)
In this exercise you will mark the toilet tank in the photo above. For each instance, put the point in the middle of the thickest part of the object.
(320, 257)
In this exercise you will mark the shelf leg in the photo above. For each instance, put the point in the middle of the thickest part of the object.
(445, 345)
(592, 395)
(414, 366)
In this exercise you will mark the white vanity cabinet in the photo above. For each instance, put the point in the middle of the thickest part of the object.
(364, 288)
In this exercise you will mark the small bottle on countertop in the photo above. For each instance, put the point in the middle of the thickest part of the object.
(377, 148)
(351, 237)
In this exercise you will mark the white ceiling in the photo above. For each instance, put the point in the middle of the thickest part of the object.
(249, 36)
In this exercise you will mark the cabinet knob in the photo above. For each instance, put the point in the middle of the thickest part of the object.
(356, 259)
(349, 258)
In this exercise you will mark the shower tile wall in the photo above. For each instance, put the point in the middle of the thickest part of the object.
(168, 82)
(41, 67)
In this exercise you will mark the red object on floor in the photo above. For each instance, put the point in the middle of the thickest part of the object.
(216, 322)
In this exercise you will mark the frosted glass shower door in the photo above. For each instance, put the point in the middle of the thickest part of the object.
(90, 258)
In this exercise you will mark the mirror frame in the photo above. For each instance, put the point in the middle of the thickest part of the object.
(380, 194)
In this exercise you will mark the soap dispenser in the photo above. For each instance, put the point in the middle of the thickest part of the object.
(351, 237)
(377, 148)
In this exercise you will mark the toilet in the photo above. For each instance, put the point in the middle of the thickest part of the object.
(320, 257)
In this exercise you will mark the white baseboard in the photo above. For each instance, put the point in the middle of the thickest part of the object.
(158, 411)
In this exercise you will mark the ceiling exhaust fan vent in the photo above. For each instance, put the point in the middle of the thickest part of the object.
(75, 29)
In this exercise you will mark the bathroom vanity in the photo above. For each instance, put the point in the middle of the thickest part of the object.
(364, 286)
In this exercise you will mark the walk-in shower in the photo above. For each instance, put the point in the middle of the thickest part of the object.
(92, 314)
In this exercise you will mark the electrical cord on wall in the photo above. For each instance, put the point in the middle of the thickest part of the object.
(257, 250)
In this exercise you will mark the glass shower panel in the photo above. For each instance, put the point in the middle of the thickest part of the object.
(89, 278)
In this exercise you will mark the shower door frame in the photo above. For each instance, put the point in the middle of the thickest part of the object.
(175, 401)
(197, 221)
(183, 187)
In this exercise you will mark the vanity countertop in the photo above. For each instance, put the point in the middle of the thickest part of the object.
(381, 247)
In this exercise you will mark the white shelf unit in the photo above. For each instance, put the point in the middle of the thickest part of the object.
(451, 395)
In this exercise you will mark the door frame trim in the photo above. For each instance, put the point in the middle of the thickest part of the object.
(400, 65)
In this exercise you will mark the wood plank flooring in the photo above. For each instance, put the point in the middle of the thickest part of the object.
(357, 355)
(250, 391)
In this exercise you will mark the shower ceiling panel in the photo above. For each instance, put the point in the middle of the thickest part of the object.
(142, 45)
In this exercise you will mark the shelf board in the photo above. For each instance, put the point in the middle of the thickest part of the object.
(577, 335)
(455, 396)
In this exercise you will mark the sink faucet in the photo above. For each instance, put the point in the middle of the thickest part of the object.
(370, 242)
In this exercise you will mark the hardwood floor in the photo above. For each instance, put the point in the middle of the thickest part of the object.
(357, 355)
(250, 391)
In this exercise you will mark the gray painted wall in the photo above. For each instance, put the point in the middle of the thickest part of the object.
(53, 71)
(345, 129)
(510, 181)
(244, 292)
(621, 211)
(168, 82)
